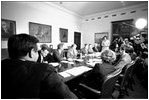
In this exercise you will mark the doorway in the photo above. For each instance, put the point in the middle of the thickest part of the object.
(77, 40)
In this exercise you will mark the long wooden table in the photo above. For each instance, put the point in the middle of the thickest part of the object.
(70, 70)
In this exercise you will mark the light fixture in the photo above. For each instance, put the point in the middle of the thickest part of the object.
(140, 23)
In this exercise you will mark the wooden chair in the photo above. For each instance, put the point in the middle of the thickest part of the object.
(106, 89)
(127, 79)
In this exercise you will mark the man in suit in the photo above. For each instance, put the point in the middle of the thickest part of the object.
(72, 52)
(58, 53)
(43, 54)
(96, 77)
(95, 49)
(124, 59)
(84, 50)
(108, 57)
(23, 77)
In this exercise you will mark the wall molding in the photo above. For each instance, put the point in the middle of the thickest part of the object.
(115, 11)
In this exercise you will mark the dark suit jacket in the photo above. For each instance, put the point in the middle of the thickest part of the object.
(84, 51)
(39, 57)
(26, 79)
(95, 49)
(57, 56)
(103, 69)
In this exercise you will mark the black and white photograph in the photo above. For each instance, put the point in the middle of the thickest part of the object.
(74, 49)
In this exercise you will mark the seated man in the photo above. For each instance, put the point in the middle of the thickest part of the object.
(23, 77)
(51, 49)
(72, 52)
(95, 48)
(90, 50)
(96, 77)
(124, 59)
(84, 50)
(58, 53)
(131, 52)
(108, 57)
(43, 53)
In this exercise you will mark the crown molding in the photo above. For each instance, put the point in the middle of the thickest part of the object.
(116, 10)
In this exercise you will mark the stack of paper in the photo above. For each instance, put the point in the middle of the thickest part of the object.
(64, 61)
(92, 64)
(68, 62)
(64, 74)
(54, 64)
(79, 60)
(78, 70)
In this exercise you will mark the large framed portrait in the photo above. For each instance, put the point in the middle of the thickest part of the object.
(8, 28)
(63, 35)
(99, 36)
(41, 31)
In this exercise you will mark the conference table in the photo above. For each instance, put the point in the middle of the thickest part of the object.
(72, 68)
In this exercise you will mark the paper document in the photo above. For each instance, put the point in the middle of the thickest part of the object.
(64, 61)
(68, 62)
(97, 60)
(79, 60)
(78, 70)
(64, 74)
(92, 64)
(54, 64)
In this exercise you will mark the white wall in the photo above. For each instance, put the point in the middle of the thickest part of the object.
(90, 27)
(43, 13)
(49, 14)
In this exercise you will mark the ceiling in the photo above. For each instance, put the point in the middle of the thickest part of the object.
(91, 7)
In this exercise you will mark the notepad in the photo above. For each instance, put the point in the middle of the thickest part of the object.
(78, 70)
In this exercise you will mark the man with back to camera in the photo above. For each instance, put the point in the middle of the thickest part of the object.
(23, 77)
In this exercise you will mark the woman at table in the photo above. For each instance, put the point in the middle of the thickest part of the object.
(72, 52)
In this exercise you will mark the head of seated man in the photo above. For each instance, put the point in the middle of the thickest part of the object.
(125, 58)
(60, 46)
(44, 50)
(23, 47)
(131, 52)
(108, 56)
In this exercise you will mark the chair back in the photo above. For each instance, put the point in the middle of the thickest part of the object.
(127, 73)
(109, 83)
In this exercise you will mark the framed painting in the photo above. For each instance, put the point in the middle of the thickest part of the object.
(41, 31)
(63, 35)
(8, 28)
(99, 36)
